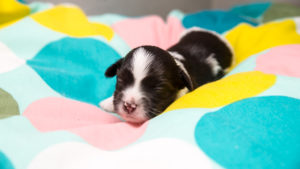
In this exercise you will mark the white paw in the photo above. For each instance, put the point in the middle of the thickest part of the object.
(107, 104)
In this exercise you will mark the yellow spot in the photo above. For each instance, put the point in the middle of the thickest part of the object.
(71, 21)
(225, 91)
(248, 40)
(11, 11)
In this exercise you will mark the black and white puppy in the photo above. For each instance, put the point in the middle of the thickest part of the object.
(149, 79)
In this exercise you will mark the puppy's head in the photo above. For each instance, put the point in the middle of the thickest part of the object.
(148, 80)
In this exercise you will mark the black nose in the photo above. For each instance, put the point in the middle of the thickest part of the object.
(129, 107)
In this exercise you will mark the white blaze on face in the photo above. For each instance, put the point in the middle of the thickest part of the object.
(140, 66)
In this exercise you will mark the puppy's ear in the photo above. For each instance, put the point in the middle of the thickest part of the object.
(186, 80)
(111, 71)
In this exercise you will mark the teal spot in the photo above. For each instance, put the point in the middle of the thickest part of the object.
(261, 132)
(22, 1)
(252, 10)
(216, 20)
(75, 68)
(4, 162)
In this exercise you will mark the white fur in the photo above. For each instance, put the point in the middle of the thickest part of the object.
(107, 104)
(213, 63)
(140, 65)
(179, 63)
(214, 33)
(182, 92)
(140, 62)
(176, 55)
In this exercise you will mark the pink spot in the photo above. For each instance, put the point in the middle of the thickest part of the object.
(282, 60)
(95, 126)
(151, 30)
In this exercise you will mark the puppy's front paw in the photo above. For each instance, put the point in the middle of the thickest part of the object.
(107, 104)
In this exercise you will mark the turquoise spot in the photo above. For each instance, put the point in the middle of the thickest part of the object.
(216, 20)
(261, 132)
(4, 162)
(22, 1)
(75, 68)
(252, 10)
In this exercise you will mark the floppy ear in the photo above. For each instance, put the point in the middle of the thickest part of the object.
(186, 80)
(111, 71)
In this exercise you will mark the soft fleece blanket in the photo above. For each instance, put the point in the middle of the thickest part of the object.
(52, 63)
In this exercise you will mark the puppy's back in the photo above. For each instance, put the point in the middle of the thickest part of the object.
(206, 55)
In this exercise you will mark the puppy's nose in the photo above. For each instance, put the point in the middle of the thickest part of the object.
(129, 107)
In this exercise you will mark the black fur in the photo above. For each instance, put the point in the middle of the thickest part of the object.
(159, 88)
(165, 78)
(112, 70)
(196, 47)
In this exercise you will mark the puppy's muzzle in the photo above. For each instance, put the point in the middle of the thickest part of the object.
(129, 107)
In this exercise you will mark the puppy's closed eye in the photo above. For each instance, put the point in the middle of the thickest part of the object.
(125, 76)
(150, 82)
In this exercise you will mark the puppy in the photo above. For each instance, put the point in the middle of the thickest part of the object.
(149, 79)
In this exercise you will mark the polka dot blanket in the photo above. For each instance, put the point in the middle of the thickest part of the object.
(52, 63)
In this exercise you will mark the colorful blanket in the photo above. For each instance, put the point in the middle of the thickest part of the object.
(52, 63)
